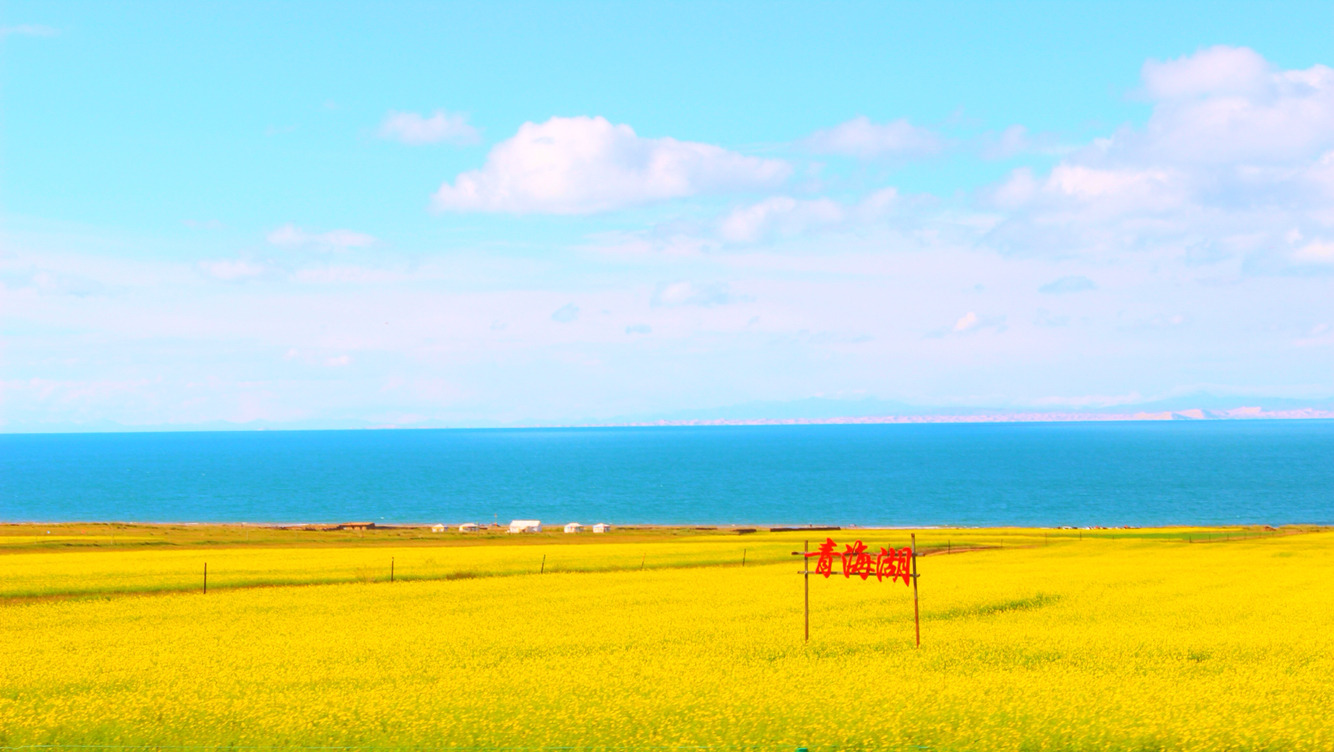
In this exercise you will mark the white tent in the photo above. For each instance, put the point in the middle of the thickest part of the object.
(574, 527)
(437, 528)
(602, 527)
(468, 527)
(525, 526)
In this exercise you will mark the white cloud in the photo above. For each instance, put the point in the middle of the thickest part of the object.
(1016, 190)
(966, 322)
(638, 329)
(1315, 253)
(1009, 142)
(49, 282)
(1216, 70)
(291, 236)
(783, 215)
(860, 137)
(1236, 156)
(1227, 105)
(411, 128)
(343, 274)
(747, 224)
(566, 313)
(1087, 183)
(1073, 283)
(1319, 336)
(584, 165)
(1043, 317)
(232, 270)
(673, 294)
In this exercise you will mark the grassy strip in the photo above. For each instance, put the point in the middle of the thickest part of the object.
(1034, 602)
(254, 583)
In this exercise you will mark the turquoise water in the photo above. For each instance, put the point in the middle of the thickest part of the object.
(961, 474)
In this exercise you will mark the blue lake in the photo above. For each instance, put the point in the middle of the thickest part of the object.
(945, 474)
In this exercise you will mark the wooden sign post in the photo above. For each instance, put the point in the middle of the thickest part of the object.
(894, 563)
(916, 618)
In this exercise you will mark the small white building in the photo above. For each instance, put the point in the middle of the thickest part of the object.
(602, 527)
(574, 527)
(468, 527)
(525, 526)
(437, 528)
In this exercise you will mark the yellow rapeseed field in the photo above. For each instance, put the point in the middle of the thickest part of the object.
(1094, 644)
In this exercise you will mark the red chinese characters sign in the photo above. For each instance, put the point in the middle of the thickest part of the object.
(857, 561)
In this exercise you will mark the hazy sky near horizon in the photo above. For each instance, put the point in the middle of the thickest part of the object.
(499, 213)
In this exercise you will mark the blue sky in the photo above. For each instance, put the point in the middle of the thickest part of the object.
(508, 214)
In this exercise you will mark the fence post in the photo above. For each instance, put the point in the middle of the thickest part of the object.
(543, 570)
(205, 578)
(743, 557)
(391, 569)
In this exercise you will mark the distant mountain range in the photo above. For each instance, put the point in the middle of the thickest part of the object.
(869, 411)
(1242, 413)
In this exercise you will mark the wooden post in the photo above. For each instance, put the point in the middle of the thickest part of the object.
(916, 615)
(743, 557)
(391, 569)
(205, 578)
(543, 570)
(641, 562)
(806, 576)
